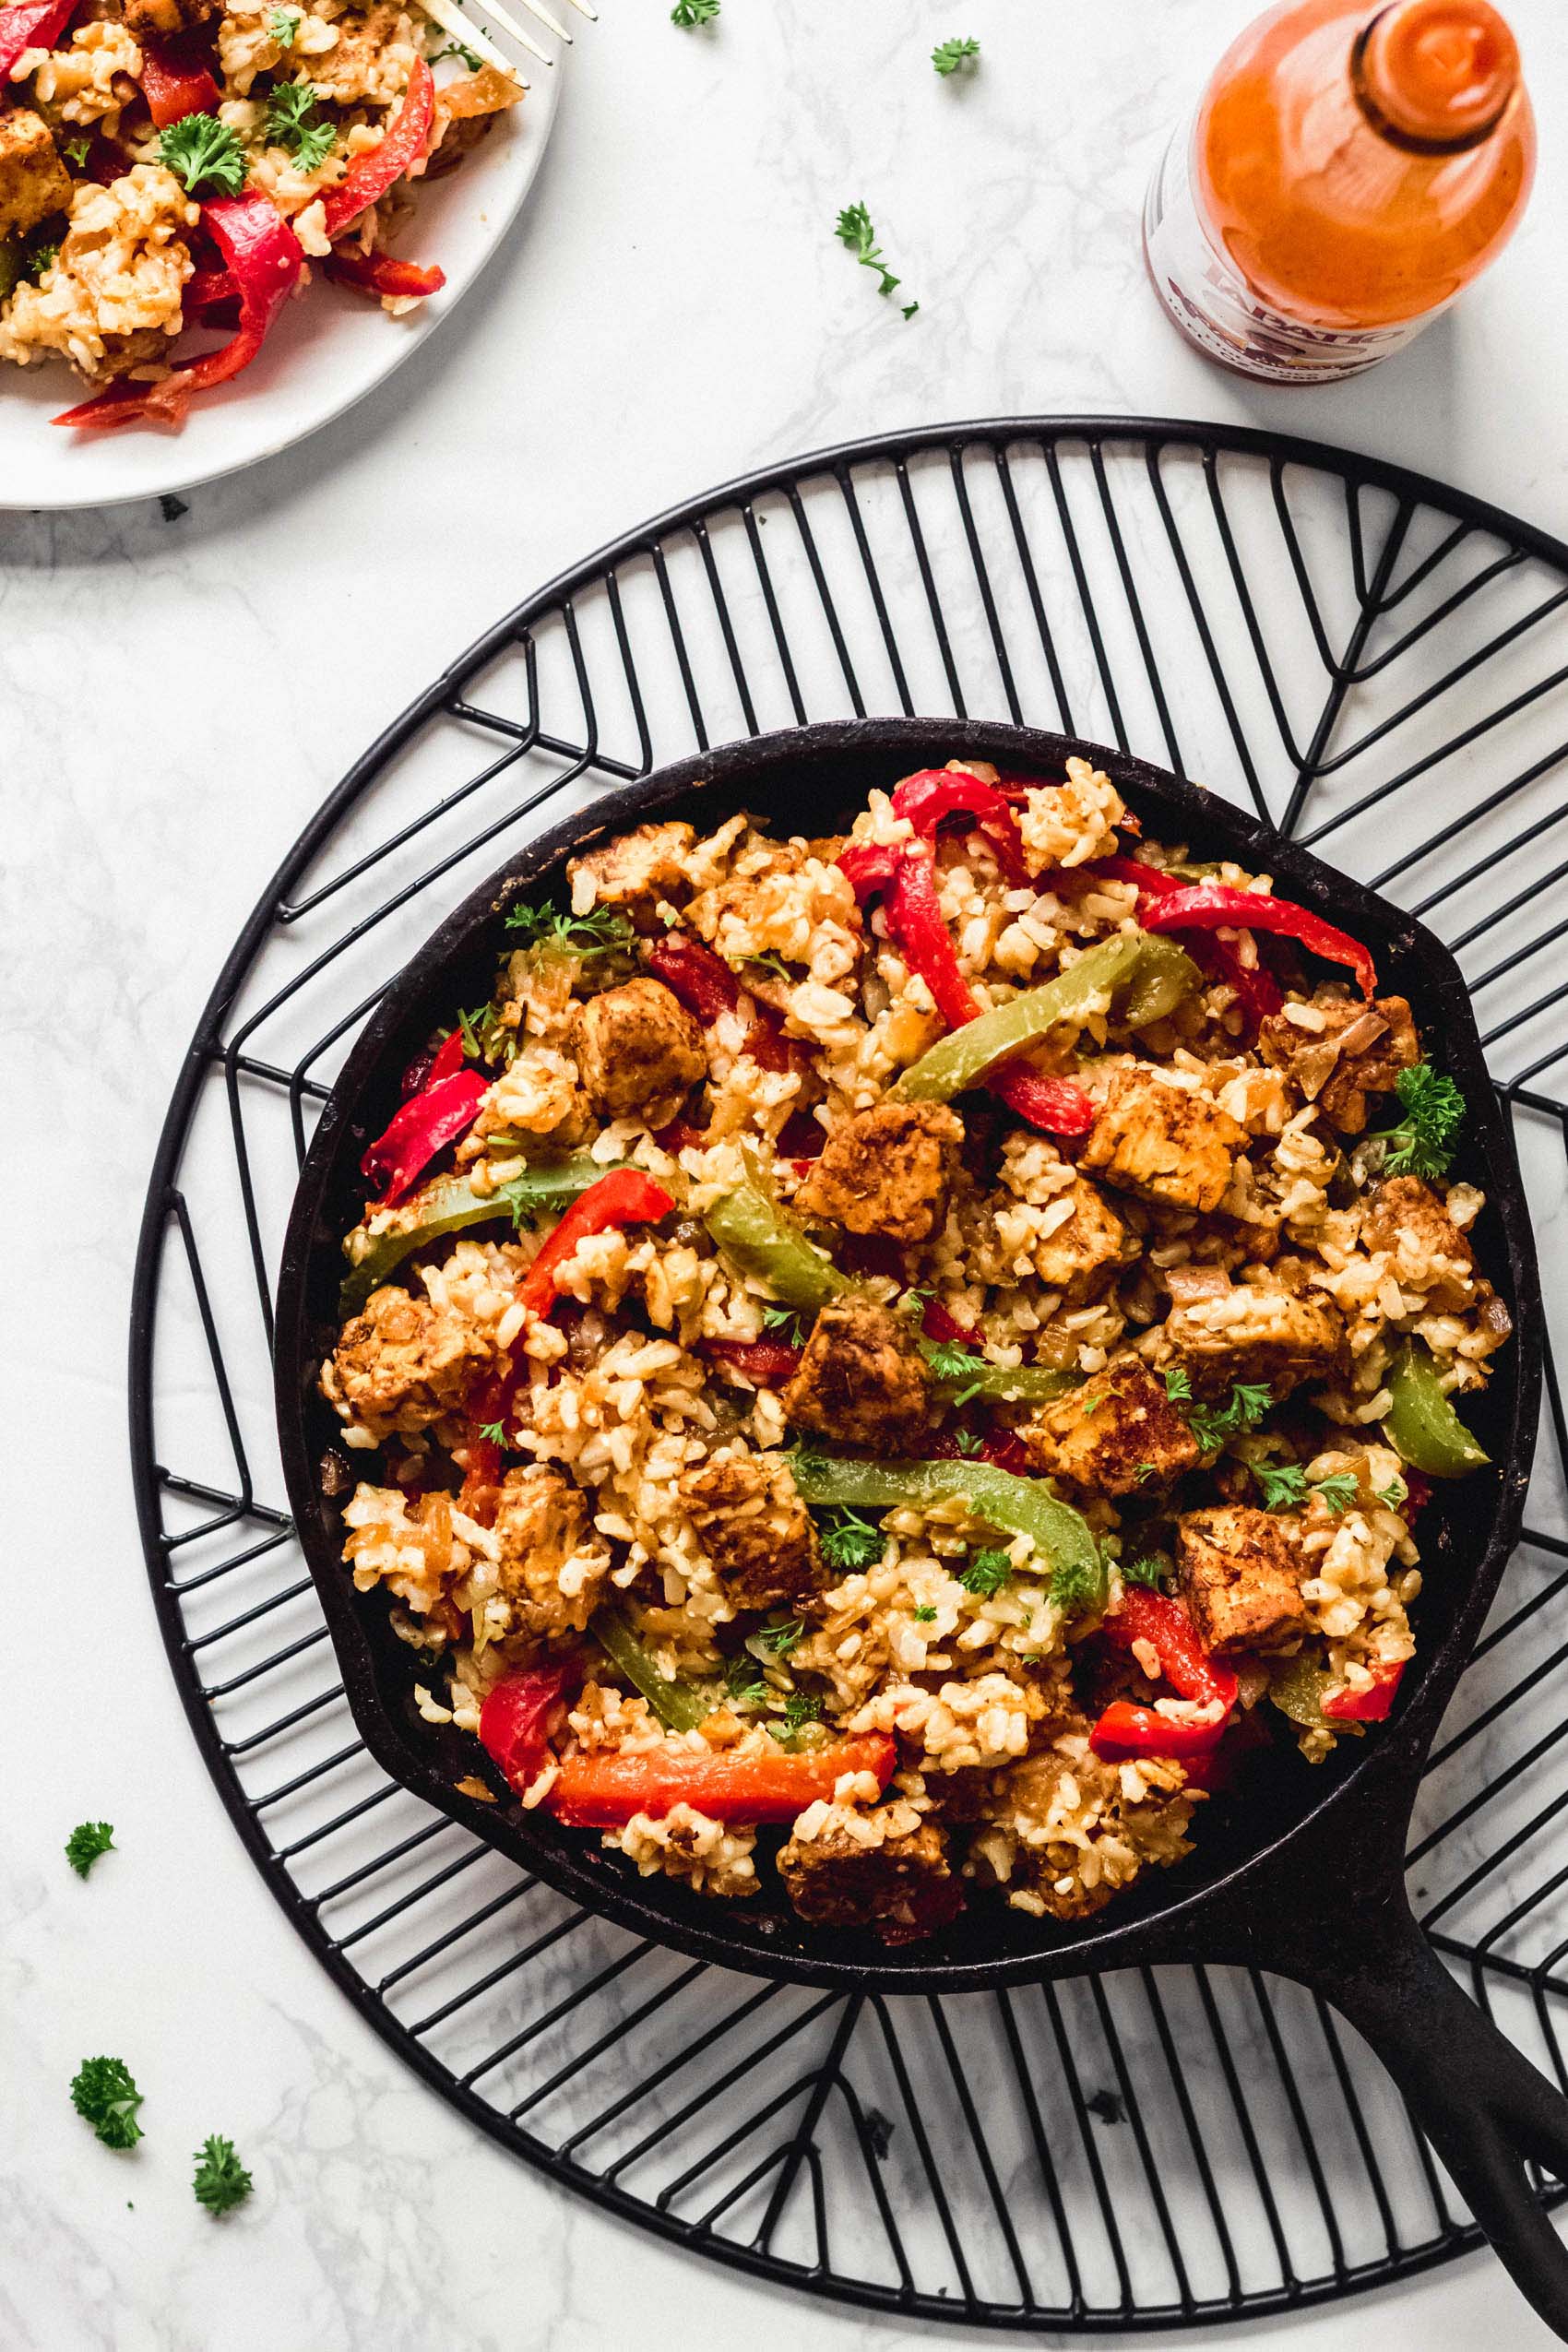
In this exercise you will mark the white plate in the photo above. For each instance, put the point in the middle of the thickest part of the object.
(329, 349)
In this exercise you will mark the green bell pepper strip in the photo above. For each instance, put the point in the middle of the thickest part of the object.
(1297, 1690)
(679, 1707)
(1163, 977)
(1021, 1506)
(1422, 1426)
(998, 1383)
(452, 1205)
(965, 1056)
(766, 1242)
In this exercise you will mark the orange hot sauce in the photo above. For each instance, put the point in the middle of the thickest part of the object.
(1349, 172)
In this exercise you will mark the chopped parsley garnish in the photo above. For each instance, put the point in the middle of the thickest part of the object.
(948, 56)
(1394, 1496)
(687, 13)
(104, 2095)
(1142, 1471)
(781, 1639)
(221, 2181)
(855, 231)
(1337, 1493)
(986, 1574)
(786, 1322)
(292, 123)
(1074, 1586)
(282, 27)
(205, 154)
(86, 1842)
(799, 1708)
(744, 1680)
(599, 931)
(1423, 1144)
(970, 1442)
(486, 1036)
(1212, 1424)
(773, 963)
(495, 1431)
(851, 1541)
(77, 149)
(924, 1614)
(468, 57)
(954, 1366)
(38, 259)
(1178, 1386)
(1283, 1483)
(1153, 1570)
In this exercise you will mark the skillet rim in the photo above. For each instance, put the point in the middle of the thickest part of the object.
(1381, 1780)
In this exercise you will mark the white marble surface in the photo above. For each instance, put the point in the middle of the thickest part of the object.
(177, 695)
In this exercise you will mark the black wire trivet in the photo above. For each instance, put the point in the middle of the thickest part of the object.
(1378, 663)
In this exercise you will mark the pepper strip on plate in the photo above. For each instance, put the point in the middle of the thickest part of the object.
(266, 257)
(444, 1109)
(1255, 990)
(1422, 1426)
(384, 274)
(1021, 1506)
(1210, 905)
(403, 142)
(769, 1363)
(679, 1707)
(701, 980)
(175, 83)
(626, 1196)
(961, 1061)
(514, 1722)
(907, 877)
(606, 1791)
(1373, 1701)
(1299, 1690)
(766, 1242)
(31, 24)
(451, 1205)
(935, 794)
(1127, 1729)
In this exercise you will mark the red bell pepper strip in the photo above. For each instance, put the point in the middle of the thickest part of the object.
(907, 878)
(175, 83)
(1209, 905)
(514, 1722)
(383, 273)
(266, 257)
(205, 288)
(705, 984)
(434, 1118)
(624, 1196)
(1254, 988)
(403, 142)
(1005, 1450)
(1371, 1705)
(604, 1791)
(427, 1069)
(944, 1329)
(1127, 1729)
(934, 795)
(31, 24)
(768, 1362)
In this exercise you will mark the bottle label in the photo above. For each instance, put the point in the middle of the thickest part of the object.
(1215, 308)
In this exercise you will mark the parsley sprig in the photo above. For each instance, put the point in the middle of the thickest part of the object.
(104, 2095)
(689, 13)
(948, 56)
(987, 1574)
(600, 931)
(779, 1640)
(1212, 1425)
(85, 1843)
(851, 1541)
(1154, 1570)
(855, 231)
(283, 25)
(205, 154)
(293, 124)
(221, 2181)
(1423, 1142)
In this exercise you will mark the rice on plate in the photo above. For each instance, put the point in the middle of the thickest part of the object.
(881, 1363)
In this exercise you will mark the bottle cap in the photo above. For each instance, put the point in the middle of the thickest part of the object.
(1438, 72)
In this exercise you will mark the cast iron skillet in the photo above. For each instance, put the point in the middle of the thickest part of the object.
(1305, 1875)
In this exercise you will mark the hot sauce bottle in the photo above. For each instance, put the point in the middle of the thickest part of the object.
(1349, 172)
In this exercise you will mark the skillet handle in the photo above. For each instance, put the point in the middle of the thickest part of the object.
(1484, 2107)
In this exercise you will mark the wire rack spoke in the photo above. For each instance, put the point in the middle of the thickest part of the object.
(1366, 660)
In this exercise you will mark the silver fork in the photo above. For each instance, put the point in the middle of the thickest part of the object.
(449, 15)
